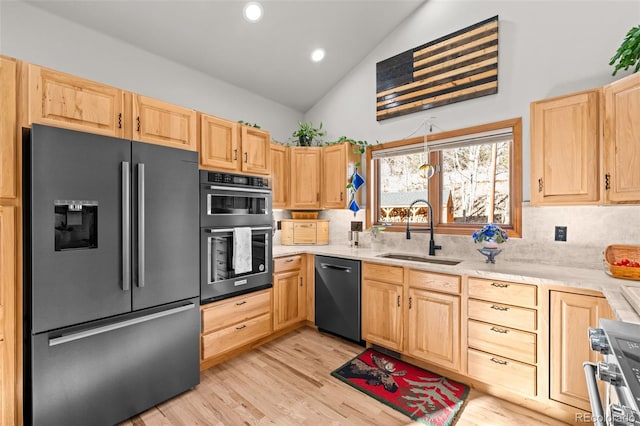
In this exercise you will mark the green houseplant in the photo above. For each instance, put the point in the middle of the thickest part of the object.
(306, 133)
(628, 54)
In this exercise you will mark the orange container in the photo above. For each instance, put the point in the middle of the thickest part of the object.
(615, 253)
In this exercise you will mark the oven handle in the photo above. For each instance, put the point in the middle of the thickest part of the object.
(218, 230)
(590, 370)
(233, 189)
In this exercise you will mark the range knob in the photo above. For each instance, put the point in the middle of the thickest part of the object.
(598, 340)
(623, 416)
(610, 373)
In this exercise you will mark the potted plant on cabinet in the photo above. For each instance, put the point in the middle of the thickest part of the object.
(628, 54)
(306, 133)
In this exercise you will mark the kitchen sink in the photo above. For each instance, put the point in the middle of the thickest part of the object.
(418, 258)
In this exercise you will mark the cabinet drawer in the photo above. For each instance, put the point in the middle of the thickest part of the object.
(384, 273)
(503, 292)
(507, 373)
(496, 313)
(227, 312)
(288, 263)
(503, 341)
(437, 282)
(235, 336)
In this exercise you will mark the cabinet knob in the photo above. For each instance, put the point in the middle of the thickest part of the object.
(499, 330)
(241, 303)
(540, 185)
(398, 301)
(138, 120)
(246, 157)
(300, 281)
(607, 181)
(499, 308)
(499, 361)
(241, 327)
(235, 154)
(500, 285)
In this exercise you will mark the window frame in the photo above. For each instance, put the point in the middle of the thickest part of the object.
(435, 183)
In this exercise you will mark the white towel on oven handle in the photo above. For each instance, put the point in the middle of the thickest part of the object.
(242, 250)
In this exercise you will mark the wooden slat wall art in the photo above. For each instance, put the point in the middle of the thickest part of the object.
(459, 66)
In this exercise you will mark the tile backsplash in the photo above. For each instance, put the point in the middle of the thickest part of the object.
(589, 230)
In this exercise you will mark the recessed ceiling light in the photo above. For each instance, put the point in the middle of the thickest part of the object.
(317, 55)
(252, 11)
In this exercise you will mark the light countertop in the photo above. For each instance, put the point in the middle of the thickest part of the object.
(540, 274)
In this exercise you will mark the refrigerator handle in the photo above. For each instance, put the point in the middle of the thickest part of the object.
(141, 242)
(115, 326)
(126, 228)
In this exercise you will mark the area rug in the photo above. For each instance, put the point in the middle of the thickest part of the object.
(424, 396)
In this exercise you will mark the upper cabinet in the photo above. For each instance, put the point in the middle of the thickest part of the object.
(564, 149)
(338, 161)
(62, 100)
(622, 140)
(229, 146)
(279, 176)
(163, 123)
(8, 147)
(305, 176)
(568, 135)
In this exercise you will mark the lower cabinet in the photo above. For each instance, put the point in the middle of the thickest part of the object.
(289, 291)
(433, 329)
(382, 301)
(570, 317)
(235, 322)
(502, 334)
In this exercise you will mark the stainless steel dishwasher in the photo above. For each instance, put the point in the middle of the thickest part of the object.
(338, 296)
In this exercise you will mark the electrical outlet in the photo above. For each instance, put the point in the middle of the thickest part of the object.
(278, 225)
(561, 233)
(356, 226)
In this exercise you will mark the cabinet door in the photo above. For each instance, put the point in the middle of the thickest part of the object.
(571, 316)
(279, 176)
(219, 148)
(256, 150)
(62, 100)
(382, 314)
(334, 178)
(163, 123)
(305, 177)
(8, 149)
(564, 150)
(433, 333)
(289, 299)
(7, 315)
(621, 136)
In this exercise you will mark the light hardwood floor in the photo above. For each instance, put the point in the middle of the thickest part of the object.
(288, 382)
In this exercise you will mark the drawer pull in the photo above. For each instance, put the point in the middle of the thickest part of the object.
(499, 330)
(398, 301)
(499, 308)
(500, 285)
(499, 361)
(241, 327)
(290, 260)
(241, 303)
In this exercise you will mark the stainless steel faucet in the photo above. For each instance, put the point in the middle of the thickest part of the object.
(432, 245)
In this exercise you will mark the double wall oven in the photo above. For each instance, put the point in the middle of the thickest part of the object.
(229, 204)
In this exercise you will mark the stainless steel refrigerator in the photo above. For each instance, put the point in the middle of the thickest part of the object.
(111, 276)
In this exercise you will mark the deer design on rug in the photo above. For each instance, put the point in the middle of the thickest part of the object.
(382, 374)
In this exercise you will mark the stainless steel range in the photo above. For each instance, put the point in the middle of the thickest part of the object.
(619, 342)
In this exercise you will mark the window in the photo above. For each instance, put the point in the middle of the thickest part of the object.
(478, 179)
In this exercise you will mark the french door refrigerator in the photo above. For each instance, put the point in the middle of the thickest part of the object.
(111, 276)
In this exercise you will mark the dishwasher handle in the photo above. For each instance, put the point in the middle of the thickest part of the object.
(346, 269)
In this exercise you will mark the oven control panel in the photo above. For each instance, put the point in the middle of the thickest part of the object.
(229, 179)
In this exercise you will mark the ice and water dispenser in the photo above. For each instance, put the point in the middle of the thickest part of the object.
(76, 224)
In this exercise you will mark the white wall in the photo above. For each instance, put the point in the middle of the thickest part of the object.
(546, 48)
(39, 37)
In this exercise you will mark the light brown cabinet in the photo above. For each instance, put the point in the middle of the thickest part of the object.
(382, 305)
(305, 175)
(279, 176)
(621, 136)
(229, 146)
(289, 291)
(8, 148)
(565, 140)
(233, 323)
(8, 337)
(570, 317)
(338, 161)
(163, 123)
(503, 334)
(62, 100)
(305, 231)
